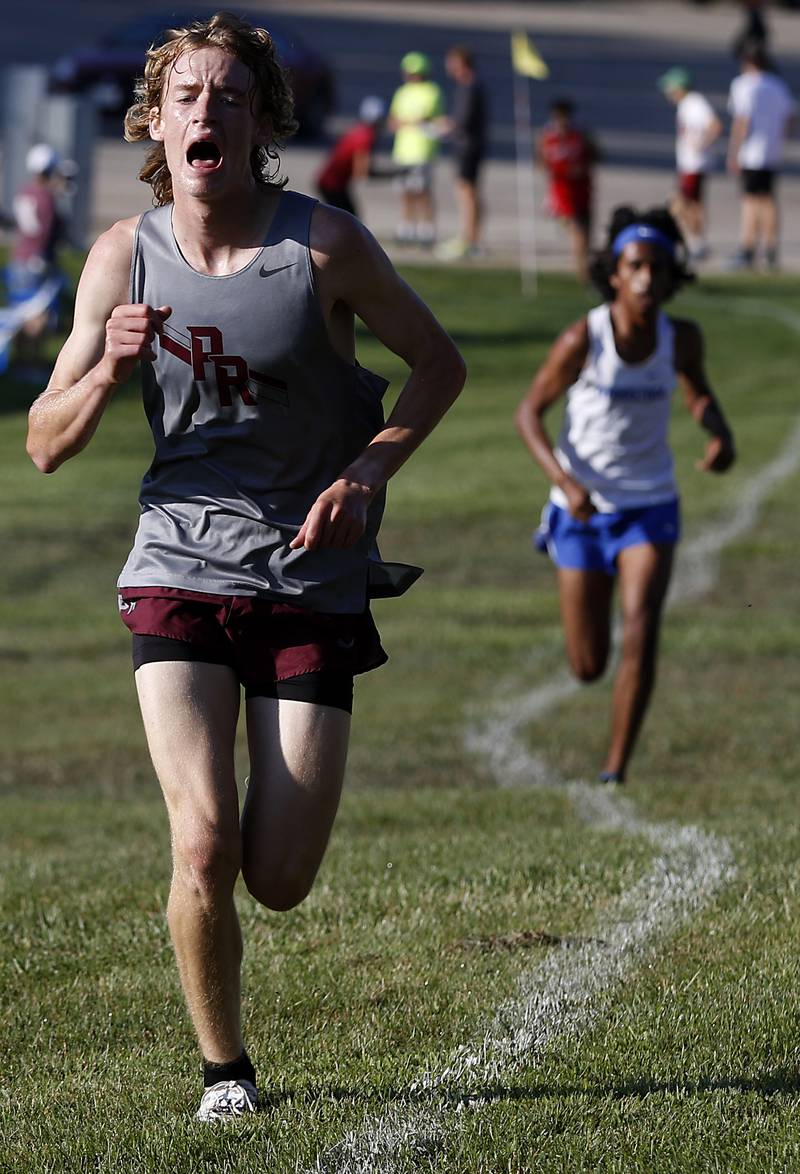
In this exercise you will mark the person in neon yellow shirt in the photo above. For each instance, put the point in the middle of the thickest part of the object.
(416, 115)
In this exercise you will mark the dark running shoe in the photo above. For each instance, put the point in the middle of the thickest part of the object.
(610, 776)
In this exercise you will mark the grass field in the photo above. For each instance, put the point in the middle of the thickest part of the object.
(445, 894)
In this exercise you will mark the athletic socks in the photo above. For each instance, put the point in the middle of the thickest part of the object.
(420, 233)
(425, 233)
(743, 259)
(240, 1069)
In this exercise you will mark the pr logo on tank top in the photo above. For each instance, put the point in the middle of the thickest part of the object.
(202, 348)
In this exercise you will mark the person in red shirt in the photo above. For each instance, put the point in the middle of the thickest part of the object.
(351, 156)
(568, 155)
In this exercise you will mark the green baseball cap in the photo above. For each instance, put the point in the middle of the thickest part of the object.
(416, 63)
(676, 78)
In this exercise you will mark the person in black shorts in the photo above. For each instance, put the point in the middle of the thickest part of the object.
(763, 111)
(255, 557)
(468, 130)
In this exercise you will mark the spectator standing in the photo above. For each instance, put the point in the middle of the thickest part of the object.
(762, 111)
(415, 116)
(38, 230)
(697, 129)
(754, 31)
(568, 155)
(468, 130)
(351, 157)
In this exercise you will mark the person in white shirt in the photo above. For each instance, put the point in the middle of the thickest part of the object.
(613, 512)
(697, 129)
(763, 110)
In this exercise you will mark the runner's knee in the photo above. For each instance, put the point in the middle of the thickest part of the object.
(586, 672)
(208, 861)
(639, 634)
(588, 664)
(281, 887)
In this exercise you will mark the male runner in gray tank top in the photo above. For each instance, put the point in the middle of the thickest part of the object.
(255, 556)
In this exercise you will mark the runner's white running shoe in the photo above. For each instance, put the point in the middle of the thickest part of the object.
(228, 1099)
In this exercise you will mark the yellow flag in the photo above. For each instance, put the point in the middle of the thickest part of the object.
(525, 58)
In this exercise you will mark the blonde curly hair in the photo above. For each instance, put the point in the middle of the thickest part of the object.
(270, 92)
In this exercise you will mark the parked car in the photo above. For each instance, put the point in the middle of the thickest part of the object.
(109, 69)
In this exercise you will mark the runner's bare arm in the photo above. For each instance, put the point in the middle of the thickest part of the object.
(700, 399)
(559, 371)
(354, 276)
(107, 340)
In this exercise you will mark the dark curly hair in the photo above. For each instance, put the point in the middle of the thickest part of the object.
(270, 92)
(604, 263)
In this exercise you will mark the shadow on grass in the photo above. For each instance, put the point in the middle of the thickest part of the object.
(783, 1081)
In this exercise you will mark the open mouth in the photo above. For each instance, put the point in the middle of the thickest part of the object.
(204, 156)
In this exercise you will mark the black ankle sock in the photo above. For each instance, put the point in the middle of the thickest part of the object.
(240, 1069)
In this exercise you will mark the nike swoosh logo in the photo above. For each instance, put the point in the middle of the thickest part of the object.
(264, 272)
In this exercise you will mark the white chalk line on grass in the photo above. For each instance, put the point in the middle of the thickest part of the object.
(556, 1000)
(565, 994)
(511, 762)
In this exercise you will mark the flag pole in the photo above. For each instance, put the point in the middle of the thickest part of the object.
(526, 63)
(526, 192)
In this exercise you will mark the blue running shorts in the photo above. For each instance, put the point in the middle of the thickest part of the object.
(594, 545)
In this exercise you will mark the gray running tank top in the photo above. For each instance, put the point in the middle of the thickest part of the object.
(253, 415)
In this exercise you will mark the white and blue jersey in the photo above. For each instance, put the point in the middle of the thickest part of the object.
(614, 443)
(614, 437)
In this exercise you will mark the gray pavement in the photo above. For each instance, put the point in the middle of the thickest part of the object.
(606, 55)
(118, 194)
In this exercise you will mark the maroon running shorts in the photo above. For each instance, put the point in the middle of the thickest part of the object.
(262, 641)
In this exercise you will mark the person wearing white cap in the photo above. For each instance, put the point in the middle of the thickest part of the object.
(42, 159)
(351, 157)
(39, 229)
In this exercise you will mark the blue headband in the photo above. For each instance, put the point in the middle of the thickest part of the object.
(645, 233)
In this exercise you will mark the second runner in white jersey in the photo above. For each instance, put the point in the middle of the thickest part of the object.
(613, 515)
(614, 440)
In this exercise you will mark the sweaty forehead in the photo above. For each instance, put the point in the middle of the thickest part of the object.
(209, 64)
